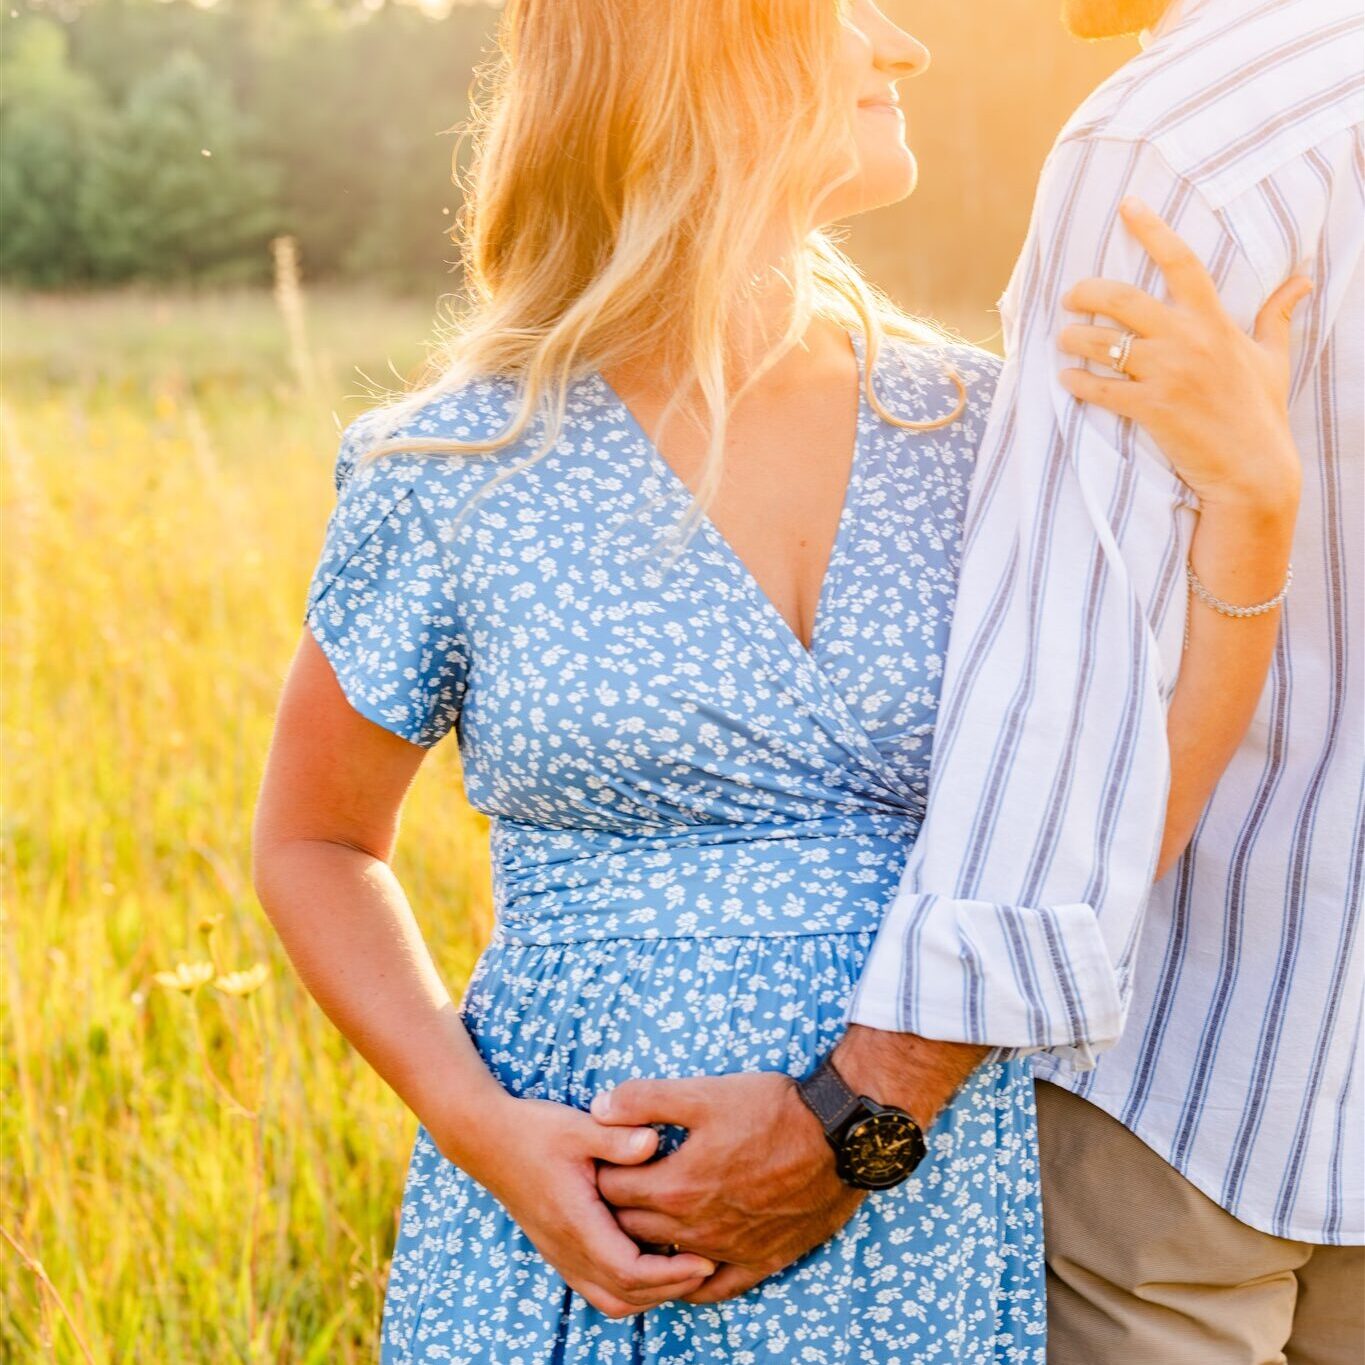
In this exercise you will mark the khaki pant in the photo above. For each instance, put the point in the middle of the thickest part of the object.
(1144, 1269)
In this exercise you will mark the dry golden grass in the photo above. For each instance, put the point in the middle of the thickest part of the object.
(194, 1175)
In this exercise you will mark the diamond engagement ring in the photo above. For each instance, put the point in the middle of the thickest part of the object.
(1119, 352)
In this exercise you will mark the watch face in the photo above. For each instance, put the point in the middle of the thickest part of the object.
(882, 1149)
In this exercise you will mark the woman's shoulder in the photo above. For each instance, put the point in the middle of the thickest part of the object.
(390, 508)
(476, 410)
(922, 374)
(919, 381)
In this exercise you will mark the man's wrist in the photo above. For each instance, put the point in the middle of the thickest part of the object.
(803, 1120)
(919, 1075)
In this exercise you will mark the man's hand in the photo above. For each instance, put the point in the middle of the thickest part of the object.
(753, 1185)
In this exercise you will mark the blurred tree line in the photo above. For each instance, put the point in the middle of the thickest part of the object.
(165, 140)
(147, 140)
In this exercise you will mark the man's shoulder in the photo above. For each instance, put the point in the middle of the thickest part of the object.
(1235, 91)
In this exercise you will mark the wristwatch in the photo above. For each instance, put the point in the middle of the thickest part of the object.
(875, 1145)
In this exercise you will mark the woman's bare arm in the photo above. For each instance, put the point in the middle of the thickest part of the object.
(325, 827)
(326, 824)
(1241, 555)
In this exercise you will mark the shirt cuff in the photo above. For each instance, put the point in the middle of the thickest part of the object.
(1017, 978)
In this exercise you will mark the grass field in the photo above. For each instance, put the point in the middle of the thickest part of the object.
(189, 1176)
(199, 1175)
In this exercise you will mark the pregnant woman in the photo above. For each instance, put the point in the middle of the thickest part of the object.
(701, 729)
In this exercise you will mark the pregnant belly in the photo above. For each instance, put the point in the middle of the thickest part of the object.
(565, 1020)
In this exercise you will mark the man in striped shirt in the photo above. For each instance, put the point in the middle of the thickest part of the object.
(1203, 1172)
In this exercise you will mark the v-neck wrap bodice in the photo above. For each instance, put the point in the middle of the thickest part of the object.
(696, 827)
(658, 752)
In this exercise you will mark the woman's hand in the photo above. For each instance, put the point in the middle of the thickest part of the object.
(540, 1161)
(1213, 398)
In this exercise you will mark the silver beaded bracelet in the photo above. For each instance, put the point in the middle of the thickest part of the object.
(1227, 608)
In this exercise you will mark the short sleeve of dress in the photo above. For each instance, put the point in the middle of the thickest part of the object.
(381, 602)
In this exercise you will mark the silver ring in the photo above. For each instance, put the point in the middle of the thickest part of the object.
(1120, 351)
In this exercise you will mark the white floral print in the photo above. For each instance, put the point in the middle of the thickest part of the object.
(696, 826)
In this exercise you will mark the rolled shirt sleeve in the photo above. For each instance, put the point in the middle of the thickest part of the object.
(1021, 900)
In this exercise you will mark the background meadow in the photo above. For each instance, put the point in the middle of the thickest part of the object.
(216, 220)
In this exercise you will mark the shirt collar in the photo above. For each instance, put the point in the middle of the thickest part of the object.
(1172, 15)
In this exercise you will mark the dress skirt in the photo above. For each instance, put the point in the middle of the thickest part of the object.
(945, 1267)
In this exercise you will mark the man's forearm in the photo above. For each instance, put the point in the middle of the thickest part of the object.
(919, 1075)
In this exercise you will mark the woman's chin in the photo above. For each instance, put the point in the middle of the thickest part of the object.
(889, 171)
(885, 176)
(893, 183)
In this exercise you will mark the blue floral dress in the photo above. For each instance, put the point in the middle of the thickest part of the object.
(696, 825)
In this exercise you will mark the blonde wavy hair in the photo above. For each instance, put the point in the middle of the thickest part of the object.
(624, 152)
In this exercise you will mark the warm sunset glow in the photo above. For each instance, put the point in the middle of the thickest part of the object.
(232, 217)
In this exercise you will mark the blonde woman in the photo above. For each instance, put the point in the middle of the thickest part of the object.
(669, 542)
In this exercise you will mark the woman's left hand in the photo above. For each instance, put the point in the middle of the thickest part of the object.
(1213, 398)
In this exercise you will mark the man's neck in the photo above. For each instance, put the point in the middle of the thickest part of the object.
(1166, 20)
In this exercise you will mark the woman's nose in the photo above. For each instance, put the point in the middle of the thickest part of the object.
(899, 54)
(896, 52)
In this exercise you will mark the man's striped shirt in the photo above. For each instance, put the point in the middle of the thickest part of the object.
(1217, 1015)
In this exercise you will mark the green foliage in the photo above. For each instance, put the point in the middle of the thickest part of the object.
(169, 193)
(160, 140)
(50, 118)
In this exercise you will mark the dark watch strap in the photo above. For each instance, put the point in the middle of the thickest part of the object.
(828, 1096)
